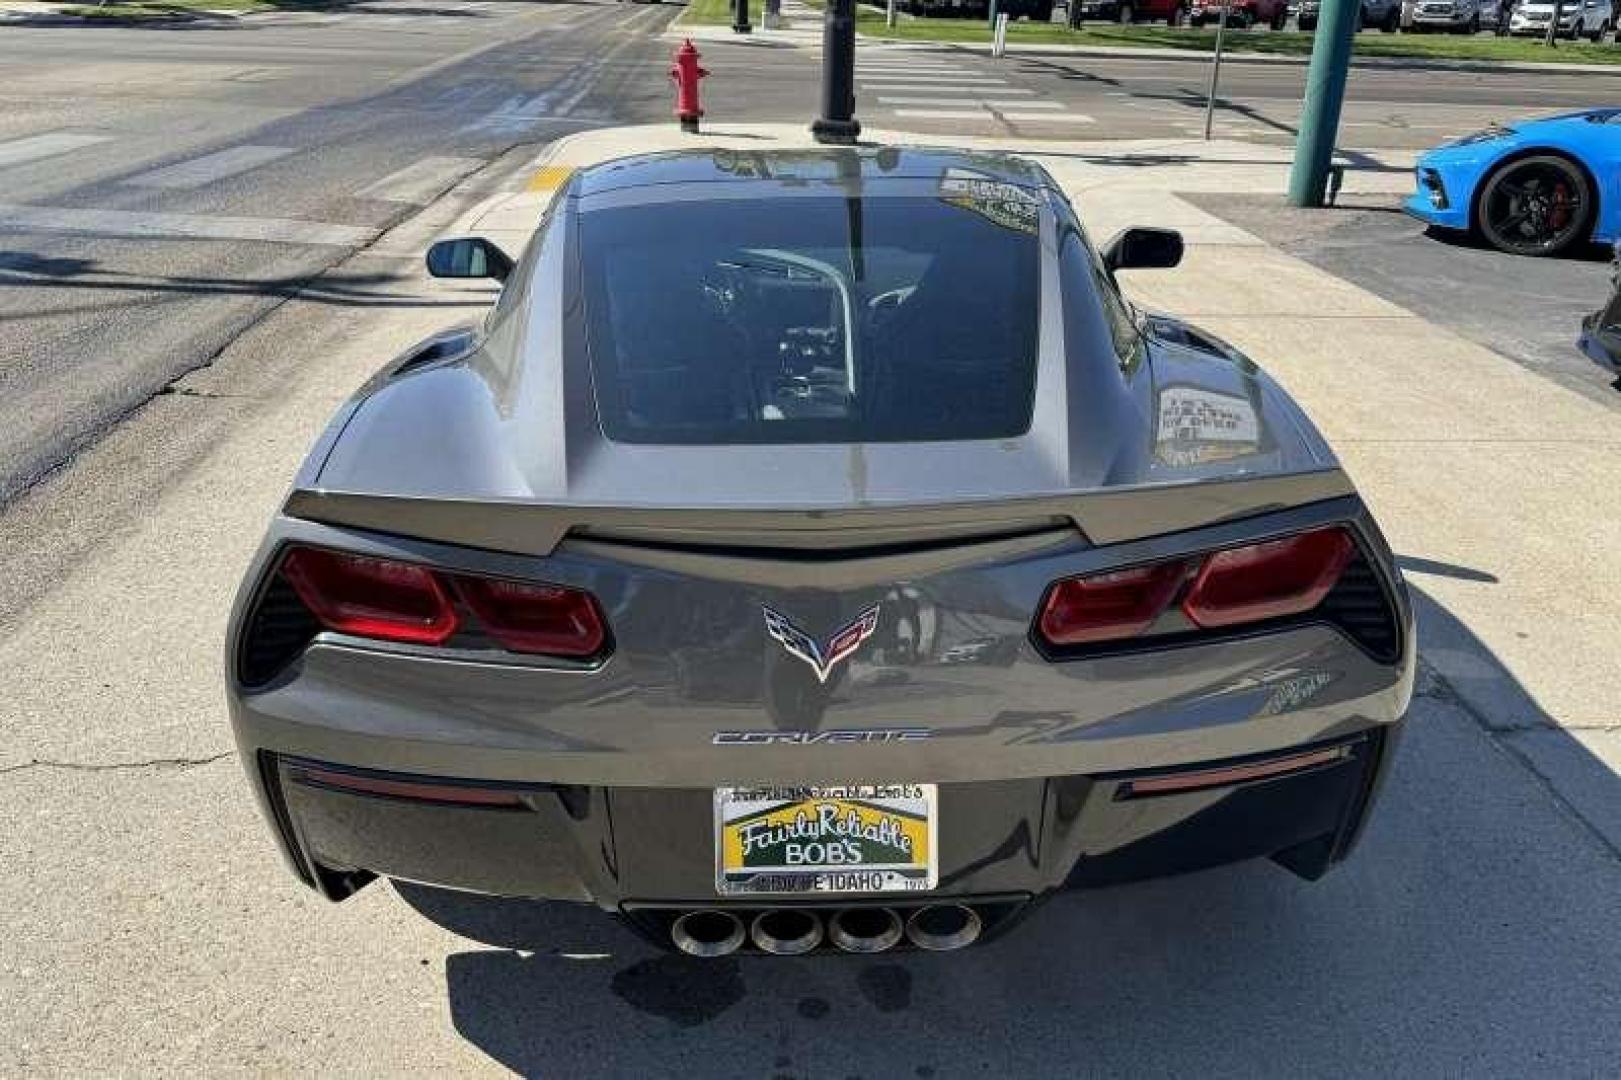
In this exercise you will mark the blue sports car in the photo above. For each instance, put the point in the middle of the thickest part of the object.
(1535, 187)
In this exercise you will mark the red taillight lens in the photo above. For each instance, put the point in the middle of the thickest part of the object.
(535, 618)
(1268, 580)
(1117, 604)
(400, 601)
(376, 598)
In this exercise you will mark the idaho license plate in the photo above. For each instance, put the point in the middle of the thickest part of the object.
(859, 838)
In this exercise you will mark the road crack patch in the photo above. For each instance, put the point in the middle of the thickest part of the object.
(118, 766)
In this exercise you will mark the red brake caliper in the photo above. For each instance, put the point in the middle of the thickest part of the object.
(1561, 205)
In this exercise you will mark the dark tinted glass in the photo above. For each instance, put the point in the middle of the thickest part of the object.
(814, 319)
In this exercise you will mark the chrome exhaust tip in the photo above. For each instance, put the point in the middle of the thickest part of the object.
(707, 933)
(864, 929)
(943, 927)
(786, 931)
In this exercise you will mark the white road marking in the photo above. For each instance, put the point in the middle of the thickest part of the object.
(34, 147)
(946, 114)
(928, 80)
(1050, 118)
(997, 91)
(125, 223)
(987, 102)
(421, 181)
(209, 167)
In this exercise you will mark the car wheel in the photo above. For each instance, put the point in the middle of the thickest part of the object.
(1538, 205)
(1598, 35)
(1125, 15)
(1392, 21)
(1575, 31)
(1307, 26)
(1280, 17)
(1042, 13)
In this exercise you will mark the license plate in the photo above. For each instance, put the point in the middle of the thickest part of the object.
(857, 838)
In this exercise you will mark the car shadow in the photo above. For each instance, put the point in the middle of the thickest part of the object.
(1473, 931)
(1459, 238)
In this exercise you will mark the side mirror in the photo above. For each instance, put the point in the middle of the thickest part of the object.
(1144, 249)
(468, 257)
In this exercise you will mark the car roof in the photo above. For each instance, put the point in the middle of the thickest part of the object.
(866, 164)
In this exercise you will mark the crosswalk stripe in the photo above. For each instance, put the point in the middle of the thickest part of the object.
(994, 103)
(946, 114)
(975, 80)
(999, 91)
(420, 182)
(34, 147)
(126, 223)
(1050, 118)
(209, 167)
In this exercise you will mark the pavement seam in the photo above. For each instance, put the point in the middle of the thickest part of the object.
(1436, 686)
(118, 766)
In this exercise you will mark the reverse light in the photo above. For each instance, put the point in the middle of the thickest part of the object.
(1234, 586)
(390, 600)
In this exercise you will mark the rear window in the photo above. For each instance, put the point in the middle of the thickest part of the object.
(809, 319)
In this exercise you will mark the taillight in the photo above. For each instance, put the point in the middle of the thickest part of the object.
(1234, 586)
(367, 597)
(535, 618)
(389, 600)
(1117, 604)
(1269, 580)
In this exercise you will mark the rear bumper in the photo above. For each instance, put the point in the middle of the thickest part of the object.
(629, 849)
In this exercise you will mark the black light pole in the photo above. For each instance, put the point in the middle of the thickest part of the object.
(838, 123)
(740, 17)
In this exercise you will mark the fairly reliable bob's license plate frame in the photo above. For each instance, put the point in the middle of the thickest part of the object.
(886, 837)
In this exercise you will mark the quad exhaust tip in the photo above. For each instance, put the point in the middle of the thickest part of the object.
(707, 933)
(865, 929)
(786, 931)
(943, 927)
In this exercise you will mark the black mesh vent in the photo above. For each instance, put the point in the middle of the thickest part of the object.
(1358, 606)
(278, 630)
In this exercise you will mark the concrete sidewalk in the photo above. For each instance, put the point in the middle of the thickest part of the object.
(151, 929)
(1497, 485)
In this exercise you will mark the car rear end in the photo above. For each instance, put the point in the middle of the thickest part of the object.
(779, 679)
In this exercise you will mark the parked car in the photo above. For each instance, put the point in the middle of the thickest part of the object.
(1534, 187)
(1173, 12)
(1601, 331)
(1035, 10)
(1450, 16)
(821, 551)
(1383, 14)
(1243, 14)
(1592, 19)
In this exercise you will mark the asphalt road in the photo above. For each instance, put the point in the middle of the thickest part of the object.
(954, 89)
(1529, 310)
(162, 188)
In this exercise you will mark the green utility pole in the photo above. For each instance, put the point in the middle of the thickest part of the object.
(1325, 92)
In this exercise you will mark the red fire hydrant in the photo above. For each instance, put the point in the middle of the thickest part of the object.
(686, 74)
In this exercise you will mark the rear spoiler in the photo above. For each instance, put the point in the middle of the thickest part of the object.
(1106, 516)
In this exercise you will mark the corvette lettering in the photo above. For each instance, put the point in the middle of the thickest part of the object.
(816, 738)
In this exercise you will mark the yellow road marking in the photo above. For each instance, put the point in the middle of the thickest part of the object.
(549, 178)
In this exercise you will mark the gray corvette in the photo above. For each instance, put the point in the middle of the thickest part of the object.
(814, 550)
